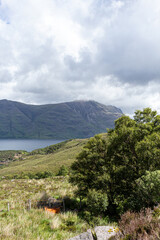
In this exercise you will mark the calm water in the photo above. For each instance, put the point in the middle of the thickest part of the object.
(26, 144)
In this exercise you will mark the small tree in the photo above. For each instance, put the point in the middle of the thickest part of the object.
(97, 202)
(90, 166)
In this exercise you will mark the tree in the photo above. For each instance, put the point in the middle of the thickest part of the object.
(114, 164)
(133, 149)
(90, 165)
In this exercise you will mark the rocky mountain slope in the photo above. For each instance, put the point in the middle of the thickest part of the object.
(78, 119)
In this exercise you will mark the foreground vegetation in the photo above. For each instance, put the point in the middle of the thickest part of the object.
(143, 225)
(20, 223)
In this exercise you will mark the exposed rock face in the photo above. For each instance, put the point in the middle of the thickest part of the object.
(104, 232)
(78, 119)
(84, 236)
(101, 233)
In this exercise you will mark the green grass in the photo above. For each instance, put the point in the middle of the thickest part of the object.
(63, 155)
(19, 223)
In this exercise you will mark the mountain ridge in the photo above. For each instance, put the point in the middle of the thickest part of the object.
(76, 119)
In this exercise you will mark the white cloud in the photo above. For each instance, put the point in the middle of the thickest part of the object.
(53, 51)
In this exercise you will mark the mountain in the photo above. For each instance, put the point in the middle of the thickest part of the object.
(78, 119)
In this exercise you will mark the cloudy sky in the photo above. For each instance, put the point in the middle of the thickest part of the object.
(63, 50)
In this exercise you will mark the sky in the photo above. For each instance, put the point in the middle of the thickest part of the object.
(64, 50)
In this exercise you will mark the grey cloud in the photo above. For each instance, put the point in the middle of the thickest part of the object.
(5, 76)
(103, 50)
(79, 70)
(37, 55)
(130, 47)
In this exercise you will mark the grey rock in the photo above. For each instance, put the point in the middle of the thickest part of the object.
(104, 232)
(84, 236)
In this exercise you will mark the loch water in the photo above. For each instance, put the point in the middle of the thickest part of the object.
(26, 144)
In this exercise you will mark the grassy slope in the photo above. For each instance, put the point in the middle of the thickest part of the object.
(48, 162)
(19, 223)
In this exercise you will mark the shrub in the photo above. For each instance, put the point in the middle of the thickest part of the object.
(63, 171)
(147, 190)
(139, 226)
(31, 175)
(44, 174)
(97, 202)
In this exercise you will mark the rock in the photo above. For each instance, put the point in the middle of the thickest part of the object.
(100, 233)
(84, 236)
(105, 232)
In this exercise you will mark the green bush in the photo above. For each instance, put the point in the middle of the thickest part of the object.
(63, 171)
(148, 189)
(97, 202)
(30, 175)
(44, 174)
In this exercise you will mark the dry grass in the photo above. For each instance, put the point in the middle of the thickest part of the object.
(19, 223)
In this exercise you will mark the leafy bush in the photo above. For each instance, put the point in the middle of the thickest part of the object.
(63, 171)
(148, 189)
(44, 174)
(97, 202)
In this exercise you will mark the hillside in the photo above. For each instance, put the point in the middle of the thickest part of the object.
(78, 119)
(47, 159)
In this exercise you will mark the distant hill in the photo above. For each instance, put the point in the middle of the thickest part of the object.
(78, 119)
(46, 159)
